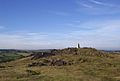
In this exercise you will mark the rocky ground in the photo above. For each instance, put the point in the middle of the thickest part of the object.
(70, 64)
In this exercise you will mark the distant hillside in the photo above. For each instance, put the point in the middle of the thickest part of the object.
(7, 55)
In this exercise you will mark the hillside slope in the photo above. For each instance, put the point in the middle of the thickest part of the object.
(70, 64)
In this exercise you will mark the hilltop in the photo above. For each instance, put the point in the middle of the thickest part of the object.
(69, 64)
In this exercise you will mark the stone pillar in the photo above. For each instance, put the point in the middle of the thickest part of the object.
(78, 45)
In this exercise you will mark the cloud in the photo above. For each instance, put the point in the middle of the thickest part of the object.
(97, 2)
(85, 5)
(32, 40)
(101, 35)
(104, 4)
(95, 7)
(104, 34)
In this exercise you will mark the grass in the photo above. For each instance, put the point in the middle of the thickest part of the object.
(86, 65)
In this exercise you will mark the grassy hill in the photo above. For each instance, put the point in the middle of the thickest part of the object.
(70, 64)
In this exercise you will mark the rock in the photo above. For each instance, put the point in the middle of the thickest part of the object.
(58, 62)
(41, 55)
(36, 64)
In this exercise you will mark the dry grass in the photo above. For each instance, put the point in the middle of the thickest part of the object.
(87, 65)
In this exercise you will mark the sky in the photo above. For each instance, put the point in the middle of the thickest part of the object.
(45, 24)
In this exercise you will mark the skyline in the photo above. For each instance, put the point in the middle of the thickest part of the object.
(38, 24)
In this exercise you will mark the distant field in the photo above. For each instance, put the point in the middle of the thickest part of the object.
(7, 55)
(10, 55)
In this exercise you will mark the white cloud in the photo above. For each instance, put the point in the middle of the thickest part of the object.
(102, 35)
(97, 7)
(96, 2)
(30, 40)
(86, 5)
(104, 4)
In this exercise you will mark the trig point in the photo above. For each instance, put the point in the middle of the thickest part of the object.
(78, 45)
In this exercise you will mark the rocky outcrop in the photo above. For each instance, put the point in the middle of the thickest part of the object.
(36, 64)
(58, 62)
(41, 55)
(74, 51)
